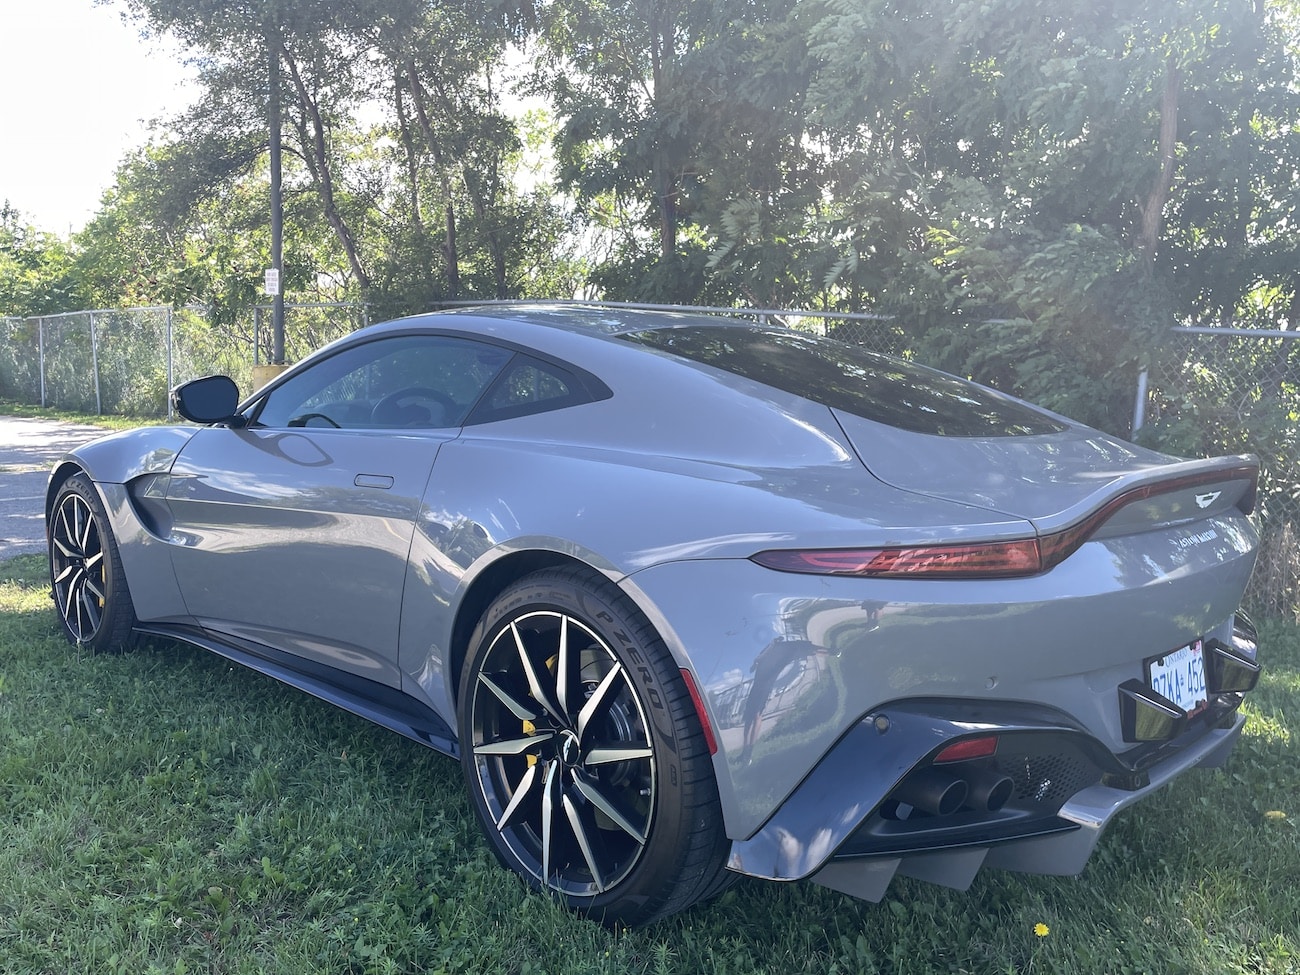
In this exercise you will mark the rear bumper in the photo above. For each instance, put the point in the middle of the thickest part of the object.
(831, 829)
(788, 664)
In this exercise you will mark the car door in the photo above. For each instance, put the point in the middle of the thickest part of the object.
(294, 531)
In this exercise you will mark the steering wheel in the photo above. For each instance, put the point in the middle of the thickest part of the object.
(305, 420)
(414, 406)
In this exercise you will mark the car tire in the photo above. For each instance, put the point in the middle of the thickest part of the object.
(586, 762)
(86, 578)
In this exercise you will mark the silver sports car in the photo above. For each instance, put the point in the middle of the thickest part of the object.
(691, 597)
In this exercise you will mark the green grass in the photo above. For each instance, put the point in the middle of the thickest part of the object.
(163, 811)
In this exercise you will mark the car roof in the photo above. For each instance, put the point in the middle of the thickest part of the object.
(582, 318)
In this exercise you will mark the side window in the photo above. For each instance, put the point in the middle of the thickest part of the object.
(529, 385)
(526, 383)
(410, 381)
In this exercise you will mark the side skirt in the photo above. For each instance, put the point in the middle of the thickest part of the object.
(385, 706)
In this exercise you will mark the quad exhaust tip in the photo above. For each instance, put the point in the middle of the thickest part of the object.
(942, 793)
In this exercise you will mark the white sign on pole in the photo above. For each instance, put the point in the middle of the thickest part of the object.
(272, 281)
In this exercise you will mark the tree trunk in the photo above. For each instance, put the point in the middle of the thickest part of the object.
(667, 210)
(317, 158)
(665, 183)
(482, 198)
(1153, 209)
(449, 252)
(412, 154)
(408, 146)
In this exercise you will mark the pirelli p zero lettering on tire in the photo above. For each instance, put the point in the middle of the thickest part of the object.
(584, 756)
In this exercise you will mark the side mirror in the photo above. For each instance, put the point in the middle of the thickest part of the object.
(212, 399)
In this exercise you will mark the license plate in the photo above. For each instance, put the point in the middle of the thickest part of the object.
(1180, 676)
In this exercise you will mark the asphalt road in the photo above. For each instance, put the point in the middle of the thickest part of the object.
(28, 449)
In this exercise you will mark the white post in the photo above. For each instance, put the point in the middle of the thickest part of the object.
(94, 364)
(1140, 404)
(40, 343)
(171, 379)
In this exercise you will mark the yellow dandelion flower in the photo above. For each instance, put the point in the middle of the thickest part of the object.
(1041, 929)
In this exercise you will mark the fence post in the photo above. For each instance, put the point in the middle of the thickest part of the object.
(40, 344)
(1140, 403)
(94, 364)
(171, 379)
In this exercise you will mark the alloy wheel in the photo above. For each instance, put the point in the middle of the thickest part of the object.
(562, 753)
(78, 567)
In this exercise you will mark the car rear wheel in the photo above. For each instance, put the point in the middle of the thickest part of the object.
(86, 577)
(586, 761)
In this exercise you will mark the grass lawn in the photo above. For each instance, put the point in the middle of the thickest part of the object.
(164, 811)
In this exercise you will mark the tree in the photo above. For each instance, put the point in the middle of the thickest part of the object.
(166, 234)
(36, 270)
(1024, 184)
(446, 65)
(425, 77)
(666, 105)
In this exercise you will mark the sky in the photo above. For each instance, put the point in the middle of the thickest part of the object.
(77, 89)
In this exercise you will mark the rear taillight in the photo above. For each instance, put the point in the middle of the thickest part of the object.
(984, 560)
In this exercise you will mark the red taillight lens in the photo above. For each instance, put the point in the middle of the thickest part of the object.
(987, 560)
(967, 749)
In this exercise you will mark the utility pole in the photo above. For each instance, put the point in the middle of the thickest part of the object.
(277, 201)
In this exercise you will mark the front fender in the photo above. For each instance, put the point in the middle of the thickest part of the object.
(119, 458)
(112, 463)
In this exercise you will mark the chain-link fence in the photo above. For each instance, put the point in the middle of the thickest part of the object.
(124, 361)
(20, 376)
(306, 327)
(1216, 391)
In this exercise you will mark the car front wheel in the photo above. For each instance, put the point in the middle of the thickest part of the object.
(86, 577)
(586, 761)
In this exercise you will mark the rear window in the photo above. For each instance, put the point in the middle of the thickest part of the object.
(876, 387)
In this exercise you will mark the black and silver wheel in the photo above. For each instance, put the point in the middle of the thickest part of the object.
(584, 755)
(86, 576)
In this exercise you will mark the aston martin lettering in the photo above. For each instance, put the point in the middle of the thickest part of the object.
(1199, 538)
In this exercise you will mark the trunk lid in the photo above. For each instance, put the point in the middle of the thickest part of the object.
(1055, 480)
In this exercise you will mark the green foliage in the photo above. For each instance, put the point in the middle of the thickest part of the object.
(36, 270)
(668, 111)
(1220, 394)
(967, 164)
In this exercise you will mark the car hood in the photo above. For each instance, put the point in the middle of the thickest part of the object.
(1053, 480)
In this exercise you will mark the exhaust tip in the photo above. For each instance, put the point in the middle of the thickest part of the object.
(933, 791)
(988, 791)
